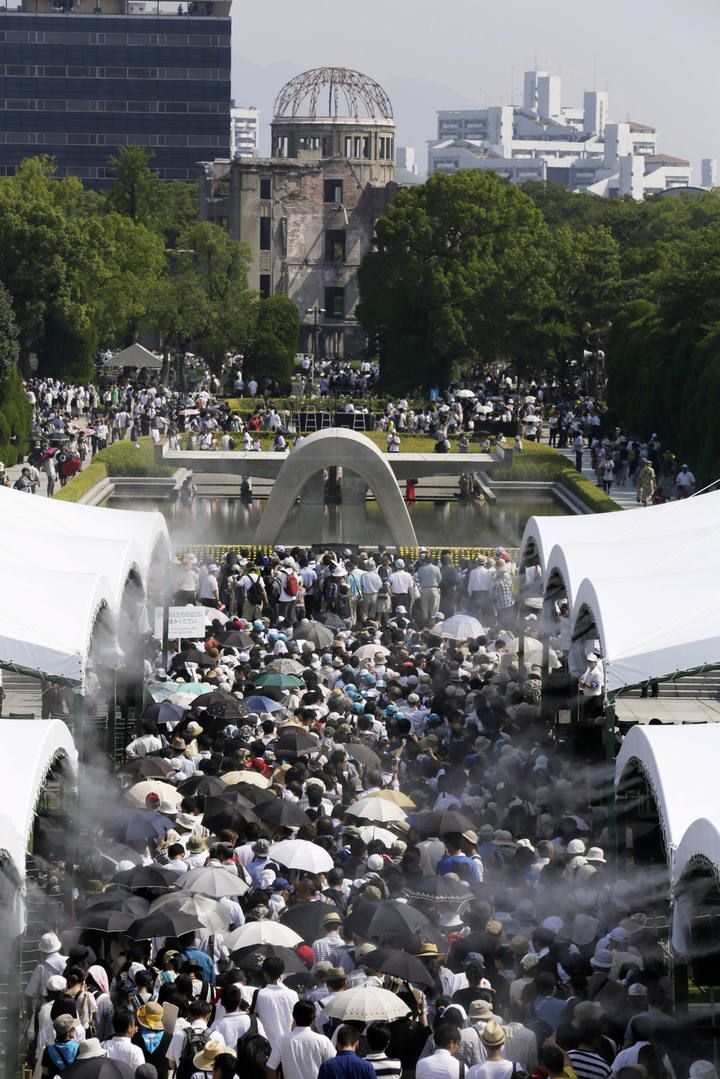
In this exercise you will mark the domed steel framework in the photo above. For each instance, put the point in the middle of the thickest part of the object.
(347, 93)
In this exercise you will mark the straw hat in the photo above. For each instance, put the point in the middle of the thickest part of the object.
(150, 1015)
(213, 1048)
(492, 1035)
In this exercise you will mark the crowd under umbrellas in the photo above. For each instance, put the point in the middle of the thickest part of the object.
(362, 836)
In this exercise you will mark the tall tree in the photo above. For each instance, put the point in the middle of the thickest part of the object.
(274, 340)
(458, 275)
(135, 192)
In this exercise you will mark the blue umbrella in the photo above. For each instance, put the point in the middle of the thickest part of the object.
(262, 704)
(143, 824)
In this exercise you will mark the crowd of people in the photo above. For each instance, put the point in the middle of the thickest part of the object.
(344, 844)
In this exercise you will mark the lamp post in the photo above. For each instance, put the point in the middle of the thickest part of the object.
(316, 311)
(593, 341)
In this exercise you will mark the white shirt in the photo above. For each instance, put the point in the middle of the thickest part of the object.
(273, 1006)
(301, 1052)
(233, 1026)
(479, 580)
(592, 680)
(401, 582)
(441, 1065)
(491, 1069)
(123, 1049)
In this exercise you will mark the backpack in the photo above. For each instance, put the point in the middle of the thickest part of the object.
(330, 591)
(274, 589)
(253, 1052)
(254, 593)
(195, 1040)
(291, 584)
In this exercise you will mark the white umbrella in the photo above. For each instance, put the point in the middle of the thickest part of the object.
(214, 882)
(213, 615)
(366, 1004)
(484, 408)
(369, 651)
(177, 692)
(533, 652)
(465, 393)
(205, 910)
(265, 931)
(170, 798)
(530, 400)
(460, 627)
(254, 779)
(377, 809)
(301, 854)
(371, 831)
(283, 665)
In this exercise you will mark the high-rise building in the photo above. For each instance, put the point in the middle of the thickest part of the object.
(709, 172)
(244, 131)
(405, 158)
(544, 140)
(79, 79)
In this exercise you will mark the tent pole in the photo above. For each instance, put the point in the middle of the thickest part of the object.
(609, 724)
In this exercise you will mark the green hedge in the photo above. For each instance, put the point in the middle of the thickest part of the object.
(120, 459)
(15, 418)
(540, 462)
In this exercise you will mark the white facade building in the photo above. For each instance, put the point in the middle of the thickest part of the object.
(709, 172)
(544, 140)
(244, 131)
(406, 158)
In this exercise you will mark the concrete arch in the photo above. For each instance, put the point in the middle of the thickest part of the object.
(336, 447)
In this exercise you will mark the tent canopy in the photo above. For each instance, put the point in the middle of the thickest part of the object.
(629, 557)
(680, 766)
(37, 745)
(543, 533)
(134, 356)
(66, 520)
(650, 627)
(47, 620)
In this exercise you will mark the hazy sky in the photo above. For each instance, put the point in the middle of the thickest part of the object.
(658, 59)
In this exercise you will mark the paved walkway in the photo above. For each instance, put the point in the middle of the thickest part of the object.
(624, 496)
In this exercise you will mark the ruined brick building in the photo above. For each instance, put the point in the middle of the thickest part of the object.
(308, 212)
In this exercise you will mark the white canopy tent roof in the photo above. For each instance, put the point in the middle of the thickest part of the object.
(114, 559)
(543, 533)
(33, 747)
(651, 626)
(47, 620)
(680, 766)
(630, 557)
(66, 520)
(135, 355)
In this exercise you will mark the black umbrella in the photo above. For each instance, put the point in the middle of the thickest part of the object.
(439, 890)
(329, 618)
(148, 876)
(230, 798)
(254, 957)
(146, 768)
(229, 708)
(115, 897)
(320, 636)
(106, 921)
(395, 923)
(255, 795)
(99, 1068)
(192, 655)
(203, 785)
(235, 638)
(356, 751)
(282, 813)
(399, 964)
(295, 743)
(141, 824)
(306, 918)
(164, 712)
(228, 817)
(167, 922)
(443, 821)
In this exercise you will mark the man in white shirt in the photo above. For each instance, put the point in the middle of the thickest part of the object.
(148, 742)
(300, 1052)
(274, 1003)
(443, 1063)
(52, 963)
(479, 583)
(684, 481)
(326, 947)
(234, 1022)
(120, 1046)
(401, 586)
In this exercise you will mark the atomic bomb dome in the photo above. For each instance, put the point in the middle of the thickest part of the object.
(333, 112)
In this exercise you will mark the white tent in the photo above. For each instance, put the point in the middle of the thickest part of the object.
(651, 626)
(65, 520)
(134, 356)
(543, 533)
(47, 620)
(627, 557)
(115, 559)
(32, 748)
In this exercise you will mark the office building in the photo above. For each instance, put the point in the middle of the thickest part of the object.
(244, 131)
(308, 212)
(544, 140)
(79, 79)
(709, 172)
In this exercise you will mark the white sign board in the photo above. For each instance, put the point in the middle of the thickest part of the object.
(184, 622)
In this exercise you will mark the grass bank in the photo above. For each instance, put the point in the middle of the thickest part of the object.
(539, 462)
(120, 459)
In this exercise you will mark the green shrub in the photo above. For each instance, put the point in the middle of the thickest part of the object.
(542, 463)
(119, 459)
(15, 418)
(79, 485)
